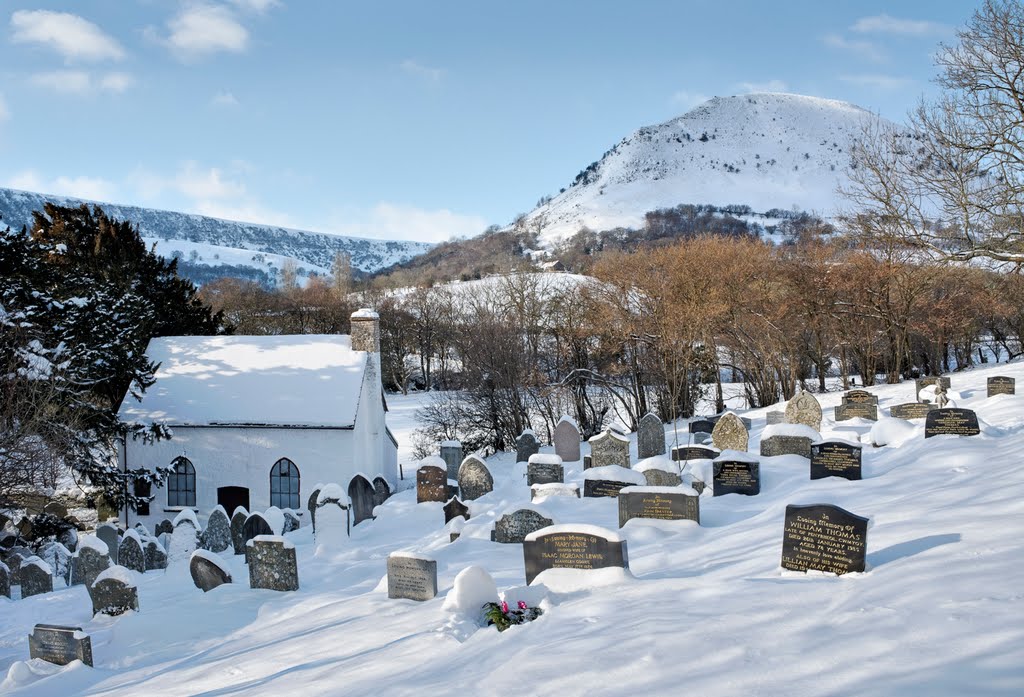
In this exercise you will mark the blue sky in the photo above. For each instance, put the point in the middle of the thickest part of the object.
(406, 120)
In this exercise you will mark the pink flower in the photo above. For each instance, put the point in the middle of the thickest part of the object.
(504, 607)
(522, 605)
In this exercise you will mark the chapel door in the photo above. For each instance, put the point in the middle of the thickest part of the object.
(231, 497)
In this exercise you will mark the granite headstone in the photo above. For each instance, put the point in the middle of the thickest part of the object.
(650, 439)
(475, 479)
(951, 421)
(823, 538)
(411, 577)
(835, 459)
(272, 563)
(60, 645)
(563, 548)
(512, 528)
(567, 440)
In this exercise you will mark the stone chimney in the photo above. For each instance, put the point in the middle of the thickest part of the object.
(365, 331)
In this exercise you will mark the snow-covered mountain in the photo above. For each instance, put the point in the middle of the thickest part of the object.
(766, 151)
(211, 247)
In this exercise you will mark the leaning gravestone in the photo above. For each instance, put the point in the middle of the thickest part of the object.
(451, 453)
(774, 417)
(730, 433)
(332, 510)
(911, 410)
(310, 506)
(835, 459)
(5, 581)
(130, 552)
(89, 561)
(544, 469)
(455, 509)
(569, 547)
(609, 448)
(36, 577)
(512, 528)
(238, 529)
(859, 397)
(650, 438)
(1001, 384)
(567, 440)
(856, 410)
(475, 479)
(411, 577)
(951, 421)
(804, 409)
(773, 446)
(114, 592)
(921, 383)
(736, 473)
(217, 536)
(526, 445)
(823, 538)
(659, 503)
(694, 452)
(108, 533)
(156, 557)
(208, 570)
(607, 481)
(272, 563)
(431, 484)
(60, 645)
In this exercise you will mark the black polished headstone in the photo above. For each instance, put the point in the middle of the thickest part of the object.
(824, 538)
(360, 492)
(60, 645)
(911, 410)
(596, 488)
(951, 421)
(658, 505)
(572, 550)
(835, 459)
(453, 509)
(693, 452)
(1000, 384)
(737, 477)
(702, 426)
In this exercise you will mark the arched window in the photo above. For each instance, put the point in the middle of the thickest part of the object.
(284, 484)
(181, 483)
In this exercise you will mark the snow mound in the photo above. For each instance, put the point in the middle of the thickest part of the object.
(473, 588)
(545, 459)
(187, 515)
(94, 543)
(793, 430)
(333, 492)
(614, 473)
(118, 573)
(659, 462)
(893, 432)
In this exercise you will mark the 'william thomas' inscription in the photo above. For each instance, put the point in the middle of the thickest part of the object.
(824, 538)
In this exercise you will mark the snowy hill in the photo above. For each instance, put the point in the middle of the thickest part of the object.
(210, 246)
(766, 151)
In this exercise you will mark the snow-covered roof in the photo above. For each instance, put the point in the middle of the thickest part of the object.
(311, 380)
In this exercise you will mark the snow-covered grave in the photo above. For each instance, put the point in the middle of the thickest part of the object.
(707, 607)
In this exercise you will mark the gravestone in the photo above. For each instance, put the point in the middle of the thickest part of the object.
(773, 446)
(921, 383)
(381, 491)
(185, 538)
(208, 570)
(823, 538)
(272, 563)
(1001, 384)
(658, 503)
(58, 557)
(217, 536)
(360, 493)
(609, 448)
(291, 523)
(650, 438)
(431, 484)
(156, 557)
(238, 529)
(451, 453)
(804, 409)
(859, 397)
(660, 477)
(60, 645)
(526, 445)
(747, 423)
(36, 577)
(587, 462)
(5, 581)
(567, 440)
(113, 595)
(512, 528)
(951, 421)
(130, 552)
(856, 410)
(835, 459)
(694, 452)
(911, 410)
(543, 491)
(702, 425)
(561, 547)
(609, 481)
(454, 509)
(163, 526)
(544, 469)
(475, 479)
(310, 506)
(108, 533)
(730, 433)
(255, 524)
(736, 476)
(775, 417)
(411, 577)
(332, 510)
(88, 563)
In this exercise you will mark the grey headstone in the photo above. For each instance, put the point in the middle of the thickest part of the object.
(856, 410)
(451, 453)
(702, 425)
(36, 577)
(656, 477)
(650, 439)
(360, 491)
(238, 529)
(111, 596)
(775, 417)
(431, 484)
(411, 578)
(217, 535)
(291, 522)
(475, 479)
(730, 433)
(859, 397)
(773, 446)
(108, 533)
(255, 524)
(381, 491)
(572, 550)
(272, 564)
(1000, 384)
(163, 526)
(567, 441)
(512, 528)
(544, 473)
(657, 505)
(804, 409)
(56, 509)
(824, 538)
(156, 557)
(609, 448)
(911, 410)
(206, 574)
(86, 565)
(131, 554)
(526, 445)
(60, 645)
(310, 506)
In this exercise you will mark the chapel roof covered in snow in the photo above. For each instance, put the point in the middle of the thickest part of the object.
(303, 381)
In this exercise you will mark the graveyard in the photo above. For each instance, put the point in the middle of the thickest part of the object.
(854, 556)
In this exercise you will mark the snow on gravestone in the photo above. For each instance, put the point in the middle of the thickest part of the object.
(951, 421)
(89, 561)
(36, 577)
(788, 439)
(5, 581)
(823, 538)
(527, 444)
(475, 479)
(1001, 384)
(659, 471)
(736, 472)
(255, 524)
(856, 410)
(114, 592)
(455, 509)
(208, 570)
(58, 557)
(381, 491)
(659, 503)
(130, 552)
(60, 645)
(804, 409)
(184, 539)
(859, 397)
(451, 453)
(609, 448)
(332, 506)
(650, 437)
(730, 433)
(272, 563)
(411, 576)
(572, 547)
(911, 410)
(291, 521)
(921, 383)
(544, 469)
(156, 556)
(108, 533)
(836, 459)
(607, 481)
(512, 528)
(693, 452)
(238, 529)
(539, 492)
(217, 535)
(567, 440)
(432, 482)
(163, 526)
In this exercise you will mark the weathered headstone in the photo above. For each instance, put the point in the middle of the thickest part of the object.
(156, 557)
(856, 410)
(411, 577)
(5, 580)
(607, 481)
(563, 547)
(89, 561)
(735, 474)
(217, 536)
(650, 437)
(951, 421)
(114, 592)
(238, 529)
(774, 417)
(921, 383)
(208, 570)
(108, 533)
(1000, 384)
(824, 538)
(702, 425)
(272, 563)
(804, 409)
(255, 524)
(332, 511)
(431, 484)
(475, 479)
(381, 491)
(730, 433)
(512, 528)
(544, 469)
(657, 502)
(911, 410)
(859, 397)
(609, 448)
(567, 440)
(694, 452)
(310, 507)
(773, 446)
(360, 493)
(835, 459)
(455, 509)
(184, 539)
(451, 453)
(130, 552)
(36, 577)
(291, 523)
(527, 444)
(58, 557)
(60, 645)
(543, 491)
(163, 526)
(659, 477)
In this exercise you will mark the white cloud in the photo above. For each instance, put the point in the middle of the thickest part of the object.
(884, 24)
(92, 188)
(26, 181)
(201, 30)
(687, 99)
(766, 86)
(116, 82)
(881, 82)
(397, 221)
(81, 82)
(256, 6)
(244, 211)
(864, 49)
(422, 71)
(72, 36)
(224, 99)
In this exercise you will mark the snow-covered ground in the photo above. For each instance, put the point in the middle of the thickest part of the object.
(706, 609)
